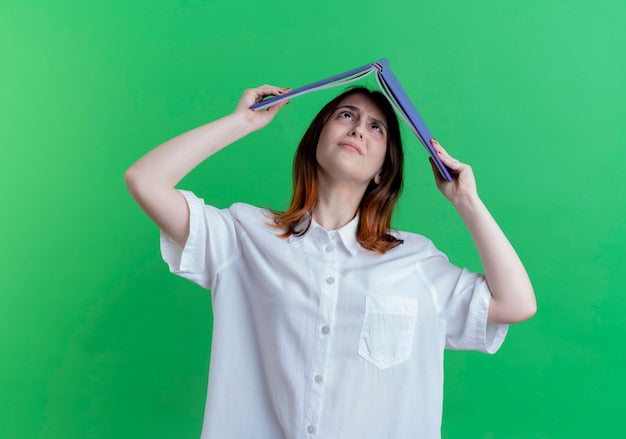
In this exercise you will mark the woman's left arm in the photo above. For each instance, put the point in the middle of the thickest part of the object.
(513, 299)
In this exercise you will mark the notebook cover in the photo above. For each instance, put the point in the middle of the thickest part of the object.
(402, 102)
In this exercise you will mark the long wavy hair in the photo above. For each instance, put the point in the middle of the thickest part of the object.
(377, 204)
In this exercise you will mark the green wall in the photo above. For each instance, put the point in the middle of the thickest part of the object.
(98, 340)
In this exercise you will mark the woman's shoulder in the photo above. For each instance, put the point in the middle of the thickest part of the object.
(243, 211)
(252, 217)
(410, 237)
(237, 209)
(414, 243)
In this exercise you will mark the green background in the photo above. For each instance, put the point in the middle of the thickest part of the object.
(99, 340)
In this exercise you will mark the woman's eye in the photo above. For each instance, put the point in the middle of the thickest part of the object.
(345, 115)
(377, 128)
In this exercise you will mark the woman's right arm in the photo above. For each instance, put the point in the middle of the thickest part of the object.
(153, 178)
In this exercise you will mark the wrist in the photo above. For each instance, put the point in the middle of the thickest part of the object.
(241, 123)
(468, 204)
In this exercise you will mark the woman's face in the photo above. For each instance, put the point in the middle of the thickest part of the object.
(353, 143)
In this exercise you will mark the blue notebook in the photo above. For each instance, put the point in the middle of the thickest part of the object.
(390, 87)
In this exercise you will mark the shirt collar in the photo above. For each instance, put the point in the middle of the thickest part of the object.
(346, 233)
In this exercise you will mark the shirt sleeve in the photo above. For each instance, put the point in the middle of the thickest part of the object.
(211, 244)
(462, 298)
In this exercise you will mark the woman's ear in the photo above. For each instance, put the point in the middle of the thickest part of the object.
(377, 179)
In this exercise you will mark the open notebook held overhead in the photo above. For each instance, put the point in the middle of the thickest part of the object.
(391, 88)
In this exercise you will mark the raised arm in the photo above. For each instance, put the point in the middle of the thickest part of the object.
(152, 179)
(513, 299)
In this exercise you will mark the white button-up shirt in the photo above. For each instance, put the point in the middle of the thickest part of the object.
(316, 337)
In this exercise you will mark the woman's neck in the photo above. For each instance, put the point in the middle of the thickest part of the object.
(337, 203)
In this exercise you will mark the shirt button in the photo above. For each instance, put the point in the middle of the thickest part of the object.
(325, 329)
(329, 248)
(318, 379)
(310, 429)
(330, 280)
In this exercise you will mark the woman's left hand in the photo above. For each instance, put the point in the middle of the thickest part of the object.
(463, 185)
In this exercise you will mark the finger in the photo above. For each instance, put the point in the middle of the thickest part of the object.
(258, 94)
(446, 158)
(269, 90)
(438, 148)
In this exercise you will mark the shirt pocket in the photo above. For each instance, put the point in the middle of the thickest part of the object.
(388, 329)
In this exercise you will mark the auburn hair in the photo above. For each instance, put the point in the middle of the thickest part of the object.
(377, 204)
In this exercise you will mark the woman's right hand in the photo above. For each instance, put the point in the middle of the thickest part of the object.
(258, 119)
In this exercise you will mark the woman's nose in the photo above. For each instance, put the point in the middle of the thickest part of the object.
(357, 130)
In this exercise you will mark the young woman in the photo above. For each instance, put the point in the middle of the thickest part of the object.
(327, 323)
